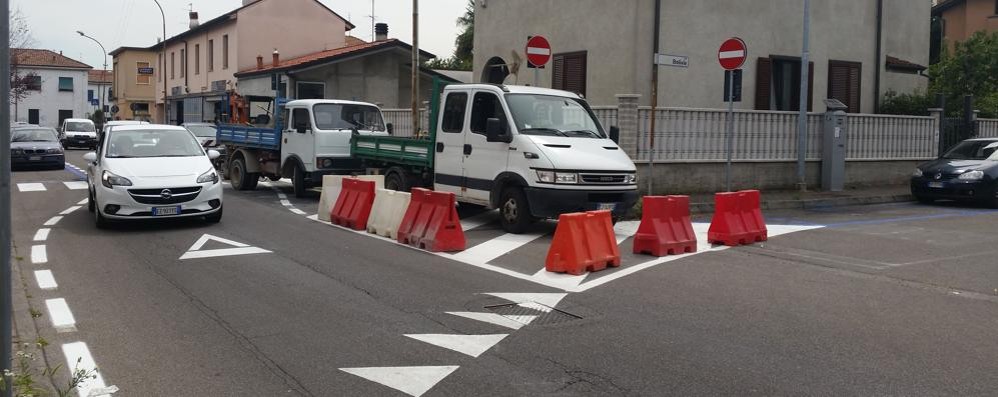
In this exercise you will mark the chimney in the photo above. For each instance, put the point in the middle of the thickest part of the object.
(194, 19)
(277, 58)
(380, 32)
(259, 61)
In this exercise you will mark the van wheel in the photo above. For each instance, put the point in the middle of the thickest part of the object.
(301, 187)
(242, 180)
(514, 212)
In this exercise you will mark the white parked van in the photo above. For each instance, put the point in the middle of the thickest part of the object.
(78, 133)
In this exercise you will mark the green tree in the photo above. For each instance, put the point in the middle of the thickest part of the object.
(464, 44)
(971, 68)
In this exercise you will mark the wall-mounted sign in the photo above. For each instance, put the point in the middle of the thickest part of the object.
(145, 70)
(679, 61)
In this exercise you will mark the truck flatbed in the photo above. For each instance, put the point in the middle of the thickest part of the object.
(251, 137)
(413, 152)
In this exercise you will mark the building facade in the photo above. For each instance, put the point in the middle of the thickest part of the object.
(99, 90)
(957, 20)
(133, 94)
(56, 89)
(602, 49)
(198, 66)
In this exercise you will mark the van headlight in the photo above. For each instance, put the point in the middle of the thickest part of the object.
(110, 180)
(210, 176)
(631, 179)
(971, 176)
(557, 177)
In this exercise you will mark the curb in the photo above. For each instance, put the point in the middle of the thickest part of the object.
(702, 208)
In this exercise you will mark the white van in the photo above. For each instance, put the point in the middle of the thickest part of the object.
(78, 133)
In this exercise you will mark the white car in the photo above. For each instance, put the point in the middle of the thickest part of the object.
(115, 123)
(152, 171)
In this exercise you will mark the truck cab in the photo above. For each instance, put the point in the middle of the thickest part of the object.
(530, 152)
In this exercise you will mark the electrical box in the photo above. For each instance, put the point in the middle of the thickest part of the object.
(835, 131)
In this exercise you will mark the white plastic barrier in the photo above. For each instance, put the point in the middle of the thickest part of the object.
(387, 212)
(331, 186)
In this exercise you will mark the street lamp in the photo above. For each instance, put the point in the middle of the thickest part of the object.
(103, 75)
(162, 70)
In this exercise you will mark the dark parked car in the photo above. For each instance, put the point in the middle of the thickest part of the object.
(207, 135)
(967, 172)
(38, 146)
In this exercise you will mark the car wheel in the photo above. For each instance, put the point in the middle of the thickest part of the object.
(100, 220)
(214, 218)
(90, 201)
(514, 212)
(301, 188)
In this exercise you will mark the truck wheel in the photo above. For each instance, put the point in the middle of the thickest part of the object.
(397, 181)
(242, 180)
(514, 212)
(301, 187)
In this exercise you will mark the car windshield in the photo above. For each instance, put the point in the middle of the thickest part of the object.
(330, 116)
(34, 135)
(202, 130)
(553, 115)
(79, 126)
(973, 150)
(152, 143)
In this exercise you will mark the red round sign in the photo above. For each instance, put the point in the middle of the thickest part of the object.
(732, 53)
(538, 51)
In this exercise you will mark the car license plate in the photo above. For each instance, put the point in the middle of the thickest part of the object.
(161, 211)
(936, 185)
(35, 158)
(606, 206)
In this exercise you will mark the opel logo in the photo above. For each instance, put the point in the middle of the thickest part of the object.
(166, 194)
(939, 176)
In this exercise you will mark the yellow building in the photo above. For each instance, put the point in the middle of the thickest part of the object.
(133, 88)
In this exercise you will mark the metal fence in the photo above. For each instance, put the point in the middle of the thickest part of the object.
(607, 116)
(885, 137)
(401, 120)
(987, 128)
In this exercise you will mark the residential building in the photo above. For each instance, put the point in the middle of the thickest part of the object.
(604, 48)
(56, 88)
(99, 90)
(956, 20)
(133, 96)
(199, 64)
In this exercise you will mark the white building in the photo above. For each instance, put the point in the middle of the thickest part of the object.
(99, 89)
(56, 90)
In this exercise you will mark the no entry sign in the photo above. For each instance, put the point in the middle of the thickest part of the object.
(732, 53)
(538, 51)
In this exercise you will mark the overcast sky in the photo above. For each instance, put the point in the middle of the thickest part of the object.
(116, 23)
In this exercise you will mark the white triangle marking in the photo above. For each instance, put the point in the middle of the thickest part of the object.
(472, 345)
(547, 299)
(413, 381)
(491, 318)
(241, 249)
(535, 306)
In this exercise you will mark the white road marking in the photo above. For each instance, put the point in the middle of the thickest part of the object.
(45, 279)
(282, 196)
(52, 221)
(525, 319)
(535, 306)
(562, 281)
(298, 211)
(70, 210)
(472, 345)
(30, 187)
(285, 203)
(78, 357)
(38, 254)
(195, 251)
(484, 218)
(76, 185)
(413, 381)
(62, 318)
(42, 234)
(313, 217)
(624, 230)
(84, 201)
(546, 299)
(491, 318)
(495, 248)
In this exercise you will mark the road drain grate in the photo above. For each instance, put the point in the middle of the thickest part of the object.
(532, 313)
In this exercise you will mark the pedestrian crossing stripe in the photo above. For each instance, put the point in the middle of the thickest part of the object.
(31, 187)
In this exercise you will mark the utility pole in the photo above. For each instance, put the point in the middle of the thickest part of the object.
(415, 67)
(162, 70)
(802, 122)
(654, 96)
(6, 283)
(373, 32)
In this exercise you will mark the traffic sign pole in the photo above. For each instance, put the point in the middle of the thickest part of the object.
(538, 54)
(731, 128)
(731, 56)
(6, 283)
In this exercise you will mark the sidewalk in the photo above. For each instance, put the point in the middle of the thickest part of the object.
(784, 199)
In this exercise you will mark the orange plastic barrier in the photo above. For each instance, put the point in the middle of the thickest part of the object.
(353, 206)
(737, 219)
(583, 242)
(431, 222)
(665, 226)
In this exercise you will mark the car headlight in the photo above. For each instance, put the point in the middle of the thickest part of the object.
(917, 173)
(971, 176)
(209, 176)
(110, 180)
(54, 151)
(631, 179)
(557, 177)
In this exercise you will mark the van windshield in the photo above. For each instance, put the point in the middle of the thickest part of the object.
(553, 115)
(79, 126)
(330, 116)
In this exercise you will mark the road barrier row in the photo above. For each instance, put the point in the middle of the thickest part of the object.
(431, 222)
(331, 186)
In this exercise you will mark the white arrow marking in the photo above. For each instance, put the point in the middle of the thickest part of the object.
(730, 54)
(242, 249)
(492, 318)
(413, 381)
(472, 345)
(547, 299)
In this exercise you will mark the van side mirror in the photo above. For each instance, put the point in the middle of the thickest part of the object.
(390, 128)
(494, 131)
(615, 134)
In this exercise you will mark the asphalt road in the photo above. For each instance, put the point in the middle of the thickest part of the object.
(897, 299)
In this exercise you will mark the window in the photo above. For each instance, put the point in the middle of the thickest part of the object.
(225, 51)
(33, 83)
(159, 62)
(778, 84)
(211, 55)
(90, 95)
(66, 84)
(173, 66)
(141, 78)
(197, 59)
(64, 114)
(844, 83)
(299, 118)
(454, 109)
(346, 117)
(33, 116)
(569, 72)
(485, 107)
(183, 63)
(307, 90)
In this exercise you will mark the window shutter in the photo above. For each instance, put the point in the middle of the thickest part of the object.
(763, 83)
(855, 86)
(844, 83)
(558, 74)
(575, 73)
(810, 85)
